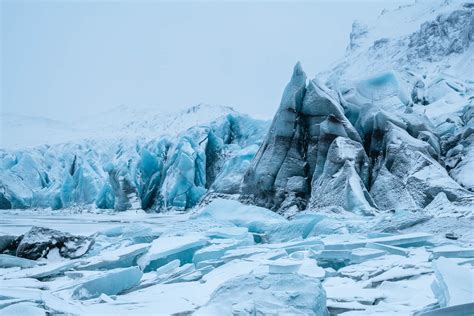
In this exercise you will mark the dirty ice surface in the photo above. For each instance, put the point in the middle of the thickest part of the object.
(208, 263)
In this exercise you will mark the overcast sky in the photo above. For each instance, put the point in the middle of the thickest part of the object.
(64, 59)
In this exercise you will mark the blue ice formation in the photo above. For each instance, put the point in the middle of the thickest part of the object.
(121, 174)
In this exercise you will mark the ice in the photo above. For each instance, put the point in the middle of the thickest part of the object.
(457, 310)
(111, 282)
(347, 290)
(362, 254)
(453, 252)
(153, 173)
(166, 249)
(24, 308)
(282, 266)
(256, 219)
(390, 249)
(119, 258)
(7, 261)
(267, 294)
(218, 249)
(396, 240)
(44, 271)
(454, 284)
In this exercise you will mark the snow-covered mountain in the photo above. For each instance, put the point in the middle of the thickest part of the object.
(120, 122)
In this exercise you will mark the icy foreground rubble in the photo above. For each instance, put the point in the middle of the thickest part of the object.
(218, 261)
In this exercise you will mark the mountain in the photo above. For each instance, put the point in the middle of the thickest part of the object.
(119, 122)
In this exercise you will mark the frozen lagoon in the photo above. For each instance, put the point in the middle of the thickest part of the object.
(209, 263)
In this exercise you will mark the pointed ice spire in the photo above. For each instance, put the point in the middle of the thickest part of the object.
(293, 95)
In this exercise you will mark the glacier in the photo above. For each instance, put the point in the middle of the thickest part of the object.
(356, 199)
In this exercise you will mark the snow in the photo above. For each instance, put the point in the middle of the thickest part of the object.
(454, 284)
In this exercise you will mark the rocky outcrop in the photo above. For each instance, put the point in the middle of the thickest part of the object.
(39, 241)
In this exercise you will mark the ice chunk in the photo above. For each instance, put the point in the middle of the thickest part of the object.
(347, 290)
(362, 254)
(399, 273)
(390, 249)
(7, 261)
(280, 294)
(453, 252)
(217, 250)
(456, 310)
(454, 284)
(119, 258)
(166, 249)
(44, 271)
(111, 282)
(24, 308)
(228, 232)
(256, 219)
(282, 266)
(38, 241)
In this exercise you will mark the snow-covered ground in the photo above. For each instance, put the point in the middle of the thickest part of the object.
(228, 258)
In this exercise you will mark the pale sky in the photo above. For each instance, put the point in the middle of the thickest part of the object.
(66, 59)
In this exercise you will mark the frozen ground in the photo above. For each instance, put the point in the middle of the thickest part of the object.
(217, 261)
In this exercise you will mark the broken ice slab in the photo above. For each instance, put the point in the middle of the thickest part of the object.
(228, 232)
(110, 282)
(23, 308)
(312, 243)
(396, 240)
(333, 255)
(217, 250)
(347, 290)
(7, 261)
(256, 219)
(48, 270)
(244, 252)
(456, 310)
(266, 294)
(166, 249)
(119, 258)
(390, 249)
(336, 308)
(403, 240)
(453, 252)
(24, 283)
(19, 293)
(282, 266)
(454, 284)
(359, 255)
(399, 273)
(138, 233)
